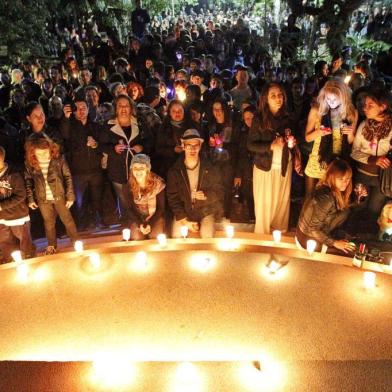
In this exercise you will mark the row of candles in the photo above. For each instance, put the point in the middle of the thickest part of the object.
(369, 279)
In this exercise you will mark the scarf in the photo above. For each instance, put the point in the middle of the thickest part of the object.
(377, 129)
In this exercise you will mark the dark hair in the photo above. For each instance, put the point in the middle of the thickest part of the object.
(30, 107)
(264, 107)
(381, 97)
(319, 66)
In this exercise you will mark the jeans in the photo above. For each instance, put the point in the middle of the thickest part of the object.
(206, 227)
(122, 202)
(8, 237)
(94, 183)
(49, 211)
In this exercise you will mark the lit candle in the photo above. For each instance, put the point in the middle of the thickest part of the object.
(311, 246)
(126, 234)
(277, 234)
(17, 256)
(22, 270)
(141, 260)
(78, 246)
(95, 259)
(369, 280)
(184, 231)
(162, 240)
(347, 79)
(229, 231)
(273, 266)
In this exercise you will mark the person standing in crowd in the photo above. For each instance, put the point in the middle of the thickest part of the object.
(121, 139)
(49, 188)
(84, 158)
(168, 145)
(372, 147)
(223, 142)
(331, 126)
(37, 124)
(14, 213)
(272, 168)
(139, 19)
(146, 200)
(194, 189)
(327, 209)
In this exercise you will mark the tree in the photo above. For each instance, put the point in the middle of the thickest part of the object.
(335, 13)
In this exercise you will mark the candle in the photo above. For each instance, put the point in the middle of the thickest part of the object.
(184, 231)
(126, 234)
(17, 256)
(273, 266)
(22, 270)
(141, 260)
(95, 260)
(78, 246)
(369, 280)
(311, 246)
(162, 240)
(277, 234)
(229, 231)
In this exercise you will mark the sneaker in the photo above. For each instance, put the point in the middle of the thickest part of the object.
(50, 250)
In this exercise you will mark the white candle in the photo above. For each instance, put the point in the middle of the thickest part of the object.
(184, 231)
(277, 234)
(229, 231)
(95, 259)
(22, 269)
(273, 266)
(17, 256)
(311, 246)
(162, 240)
(369, 280)
(126, 234)
(78, 246)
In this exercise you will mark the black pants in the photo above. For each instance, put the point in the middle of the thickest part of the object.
(93, 183)
(49, 211)
(10, 235)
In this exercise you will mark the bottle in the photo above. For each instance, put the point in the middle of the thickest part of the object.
(359, 256)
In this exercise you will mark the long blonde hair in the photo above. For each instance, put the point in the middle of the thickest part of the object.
(338, 168)
(340, 90)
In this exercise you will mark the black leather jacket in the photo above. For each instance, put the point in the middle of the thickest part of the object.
(59, 180)
(319, 216)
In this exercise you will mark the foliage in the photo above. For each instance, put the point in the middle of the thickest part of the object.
(360, 44)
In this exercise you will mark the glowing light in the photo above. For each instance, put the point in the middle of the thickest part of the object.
(17, 256)
(112, 374)
(274, 266)
(229, 231)
(187, 378)
(347, 79)
(162, 240)
(277, 234)
(181, 95)
(126, 234)
(369, 280)
(141, 261)
(95, 260)
(202, 263)
(311, 246)
(184, 231)
(22, 270)
(78, 246)
(227, 244)
(263, 374)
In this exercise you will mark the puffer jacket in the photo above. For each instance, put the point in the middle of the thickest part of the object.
(59, 180)
(320, 216)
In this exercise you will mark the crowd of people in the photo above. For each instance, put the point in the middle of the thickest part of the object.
(191, 120)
